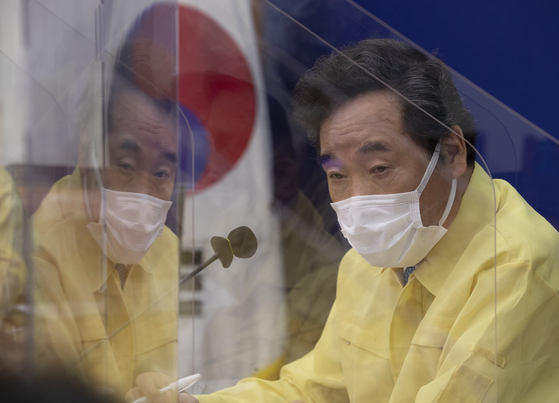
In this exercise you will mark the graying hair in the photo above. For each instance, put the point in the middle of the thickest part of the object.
(372, 65)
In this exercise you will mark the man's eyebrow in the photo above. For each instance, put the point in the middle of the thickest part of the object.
(169, 156)
(129, 145)
(374, 146)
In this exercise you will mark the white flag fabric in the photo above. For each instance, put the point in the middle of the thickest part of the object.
(241, 326)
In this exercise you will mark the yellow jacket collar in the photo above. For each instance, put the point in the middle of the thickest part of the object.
(75, 212)
(98, 277)
(477, 210)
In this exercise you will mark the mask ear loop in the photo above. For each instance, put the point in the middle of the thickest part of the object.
(430, 169)
(427, 176)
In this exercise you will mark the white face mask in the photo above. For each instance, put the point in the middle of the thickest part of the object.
(133, 222)
(387, 229)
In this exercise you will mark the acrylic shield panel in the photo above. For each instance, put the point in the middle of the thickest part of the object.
(110, 109)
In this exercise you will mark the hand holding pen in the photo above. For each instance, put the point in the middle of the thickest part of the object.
(150, 389)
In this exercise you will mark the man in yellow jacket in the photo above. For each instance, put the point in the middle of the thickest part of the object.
(106, 265)
(450, 293)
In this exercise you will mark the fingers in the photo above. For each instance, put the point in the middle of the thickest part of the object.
(149, 384)
(170, 397)
(133, 394)
(186, 398)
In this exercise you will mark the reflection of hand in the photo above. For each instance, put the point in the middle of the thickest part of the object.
(186, 398)
(149, 385)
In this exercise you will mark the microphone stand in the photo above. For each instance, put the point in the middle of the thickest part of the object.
(199, 269)
(240, 242)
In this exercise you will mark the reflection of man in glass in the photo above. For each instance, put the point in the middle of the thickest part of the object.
(103, 254)
(434, 302)
(139, 178)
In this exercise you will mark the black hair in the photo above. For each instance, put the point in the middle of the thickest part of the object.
(375, 65)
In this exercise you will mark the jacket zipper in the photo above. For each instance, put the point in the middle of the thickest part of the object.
(397, 278)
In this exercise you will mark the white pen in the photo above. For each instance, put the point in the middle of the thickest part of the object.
(179, 386)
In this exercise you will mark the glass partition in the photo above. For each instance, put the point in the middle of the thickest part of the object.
(376, 228)
(91, 183)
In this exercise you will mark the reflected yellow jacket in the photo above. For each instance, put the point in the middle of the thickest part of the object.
(446, 336)
(12, 268)
(79, 303)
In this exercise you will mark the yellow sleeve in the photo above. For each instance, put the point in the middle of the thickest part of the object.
(12, 268)
(57, 341)
(524, 332)
(316, 377)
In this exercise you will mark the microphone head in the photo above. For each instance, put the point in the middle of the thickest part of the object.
(223, 250)
(243, 242)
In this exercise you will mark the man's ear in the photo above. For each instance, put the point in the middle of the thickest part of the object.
(456, 151)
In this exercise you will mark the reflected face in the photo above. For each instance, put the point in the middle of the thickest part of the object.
(365, 151)
(142, 148)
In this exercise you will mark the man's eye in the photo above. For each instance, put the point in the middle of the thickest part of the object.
(125, 166)
(162, 174)
(336, 176)
(379, 169)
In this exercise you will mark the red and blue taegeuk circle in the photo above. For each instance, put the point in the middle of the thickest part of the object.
(210, 79)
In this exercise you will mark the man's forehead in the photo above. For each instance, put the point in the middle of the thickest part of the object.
(366, 113)
(132, 105)
(136, 117)
(132, 145)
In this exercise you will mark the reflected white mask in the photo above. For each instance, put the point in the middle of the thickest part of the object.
(387, 229)
(133, 222)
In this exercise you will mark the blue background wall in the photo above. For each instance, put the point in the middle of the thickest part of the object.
(508, 48)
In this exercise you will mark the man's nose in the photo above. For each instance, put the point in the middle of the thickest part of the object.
(141, 183)
(360, 187)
